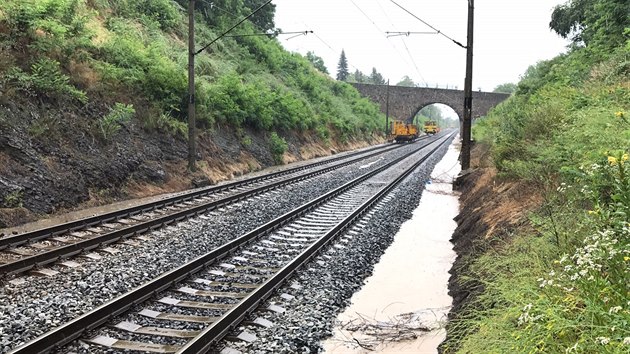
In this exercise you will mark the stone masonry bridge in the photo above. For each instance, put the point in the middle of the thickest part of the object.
(405, 102)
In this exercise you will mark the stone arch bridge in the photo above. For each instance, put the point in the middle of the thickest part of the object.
(405, 102)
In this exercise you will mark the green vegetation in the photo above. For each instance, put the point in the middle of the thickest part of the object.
(135, 52)
(13, 200)
(45, 78)
(432, 112)
(317, 62)
(560, 285)
(342, 67)
(111, 123)
(278, 147)
(505, 88)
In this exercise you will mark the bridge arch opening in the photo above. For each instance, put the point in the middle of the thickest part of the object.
(444, 115)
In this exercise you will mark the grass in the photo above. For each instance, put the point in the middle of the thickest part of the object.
(134, 52)
(559, 284)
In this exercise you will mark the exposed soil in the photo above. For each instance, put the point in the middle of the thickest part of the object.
(490, 209)
(53, 160)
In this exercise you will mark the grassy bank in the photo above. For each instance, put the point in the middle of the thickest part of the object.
(93, 101)
(558, 282)
(134, 52)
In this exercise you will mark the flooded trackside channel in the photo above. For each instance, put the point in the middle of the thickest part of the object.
(403, 305)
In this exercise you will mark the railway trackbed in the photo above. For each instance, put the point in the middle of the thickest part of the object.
(191, 308)
(22, 252)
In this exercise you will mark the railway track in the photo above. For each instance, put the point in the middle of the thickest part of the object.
(22, 252)
(189, 309)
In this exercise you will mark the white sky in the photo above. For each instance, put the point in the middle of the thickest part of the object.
(510, 35)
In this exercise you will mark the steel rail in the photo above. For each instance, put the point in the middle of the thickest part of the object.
(203, 342)
(68, 250)
(72, 330)
(15, 240)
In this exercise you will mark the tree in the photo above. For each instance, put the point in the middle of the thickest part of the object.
(406, 81)
(432, 112)
(376, 78)
(360, 76)
(508, 87)
(263, 19)
(342, 67)
(600, 22)
(357, 76)
(317, 62)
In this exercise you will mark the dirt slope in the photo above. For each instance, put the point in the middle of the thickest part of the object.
(52, 159)
(490, 209)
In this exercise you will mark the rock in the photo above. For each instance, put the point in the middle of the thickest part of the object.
(201, 181)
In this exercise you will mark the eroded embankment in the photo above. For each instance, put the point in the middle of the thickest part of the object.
(490, 209)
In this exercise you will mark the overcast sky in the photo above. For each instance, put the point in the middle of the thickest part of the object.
(509, 36)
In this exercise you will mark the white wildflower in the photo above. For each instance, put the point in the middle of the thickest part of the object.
(572, 349)
(603, 340)
(614, 309)
(626, 341)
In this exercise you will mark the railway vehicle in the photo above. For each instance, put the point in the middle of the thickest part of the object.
(403, 132)
(431, 127)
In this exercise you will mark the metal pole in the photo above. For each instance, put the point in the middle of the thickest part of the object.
(468, 91)
(192, 154)
(387, 111)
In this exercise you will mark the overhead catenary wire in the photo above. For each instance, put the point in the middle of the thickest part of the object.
(424, 81)
(327, 45)
(399, 33)
(426, 23)
(231, 28)
(274, 33)
(382, 32)
(413, 62)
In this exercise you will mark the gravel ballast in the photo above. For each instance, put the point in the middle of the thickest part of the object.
(42, 303)
(327, 284)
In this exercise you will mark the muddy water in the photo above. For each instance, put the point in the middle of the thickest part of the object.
(408, 289)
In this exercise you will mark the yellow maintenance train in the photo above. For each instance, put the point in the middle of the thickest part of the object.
(403, 132)
(431, 127)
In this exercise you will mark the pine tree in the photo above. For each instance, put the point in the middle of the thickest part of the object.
(359, 76)
(376, 77)
(342, 67)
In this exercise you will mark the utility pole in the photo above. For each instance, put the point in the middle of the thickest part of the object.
(192, 153)
(465, 157)
(387, 111)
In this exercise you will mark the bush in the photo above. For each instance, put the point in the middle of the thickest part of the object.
(161, 11)
(46, 79)
(278, 147)
(166, 123)
(52, 27)
(111, 123)
(13, 199)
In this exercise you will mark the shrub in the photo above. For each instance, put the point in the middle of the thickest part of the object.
(161, 11)
(54, 27)
(166, 123)
(13, 199)
(111, 123)
(278, 147)
(46, 79)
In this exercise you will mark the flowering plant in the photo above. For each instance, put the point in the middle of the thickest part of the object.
(589, 289)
